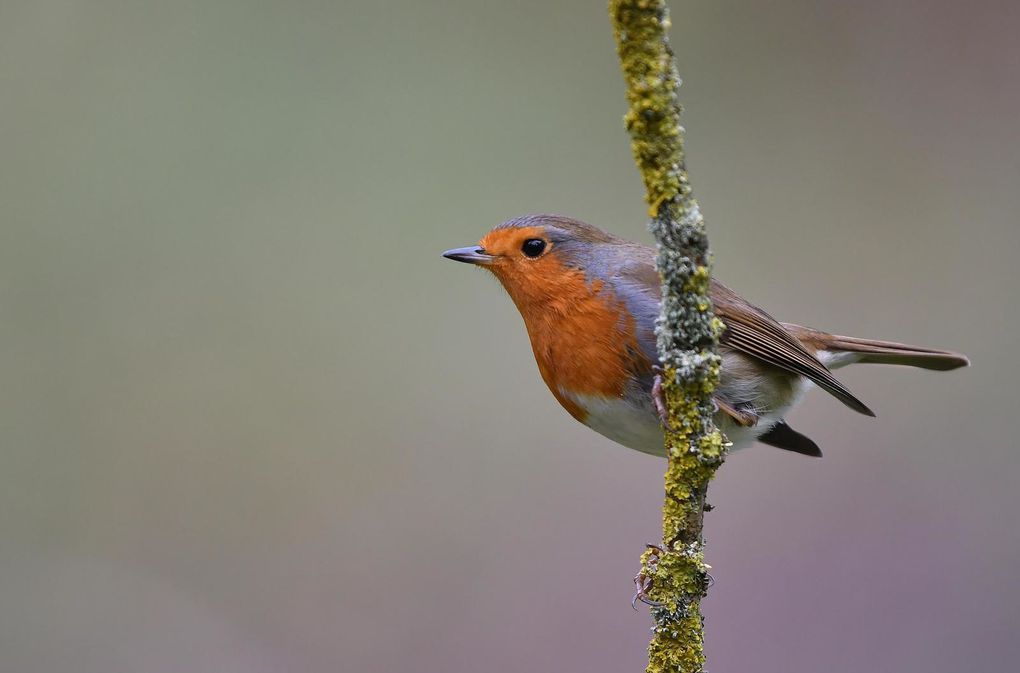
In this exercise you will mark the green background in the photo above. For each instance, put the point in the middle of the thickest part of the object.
(251, 421)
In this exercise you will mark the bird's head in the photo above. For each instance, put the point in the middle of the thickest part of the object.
(537, 257)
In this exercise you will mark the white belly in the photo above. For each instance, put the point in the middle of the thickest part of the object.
(625, 421)
(632, 421)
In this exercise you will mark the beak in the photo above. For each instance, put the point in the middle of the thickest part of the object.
(471, 255)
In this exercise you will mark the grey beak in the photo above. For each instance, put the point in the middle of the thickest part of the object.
(470, 255)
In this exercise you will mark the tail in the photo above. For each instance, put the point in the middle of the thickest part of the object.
(892, 353)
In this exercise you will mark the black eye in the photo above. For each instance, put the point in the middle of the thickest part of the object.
(533, 247)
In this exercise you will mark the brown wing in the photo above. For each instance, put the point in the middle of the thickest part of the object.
(753, 331)
(748, 328)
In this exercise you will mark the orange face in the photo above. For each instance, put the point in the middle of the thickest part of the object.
(582, 336)
(524, 260)
(508, 244)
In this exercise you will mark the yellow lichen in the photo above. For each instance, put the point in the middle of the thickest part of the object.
(687, 333)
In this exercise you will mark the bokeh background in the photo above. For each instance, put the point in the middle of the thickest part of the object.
(251, 421)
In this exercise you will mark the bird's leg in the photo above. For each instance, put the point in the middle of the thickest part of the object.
(745, 418)
(643, 581)
(659, 397)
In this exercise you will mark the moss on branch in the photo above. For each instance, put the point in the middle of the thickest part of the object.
(687, 333)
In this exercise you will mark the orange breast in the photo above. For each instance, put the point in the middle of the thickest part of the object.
(582, 336)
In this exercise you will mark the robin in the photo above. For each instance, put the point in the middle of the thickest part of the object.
(589, 301)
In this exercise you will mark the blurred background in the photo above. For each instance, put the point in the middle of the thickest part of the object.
(251, 421)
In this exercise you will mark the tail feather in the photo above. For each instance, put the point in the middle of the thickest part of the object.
(892, 353)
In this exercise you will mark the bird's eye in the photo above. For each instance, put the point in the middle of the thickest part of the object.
(533, 247)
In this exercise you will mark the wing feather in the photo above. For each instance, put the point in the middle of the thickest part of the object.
(749, 329)
(753, 331)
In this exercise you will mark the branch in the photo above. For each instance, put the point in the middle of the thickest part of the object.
(687, 333)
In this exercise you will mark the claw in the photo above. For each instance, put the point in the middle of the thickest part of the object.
(642, 585)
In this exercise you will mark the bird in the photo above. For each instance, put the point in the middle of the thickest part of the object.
(590, 300)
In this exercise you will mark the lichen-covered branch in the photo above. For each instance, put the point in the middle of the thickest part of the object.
(686, 330)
